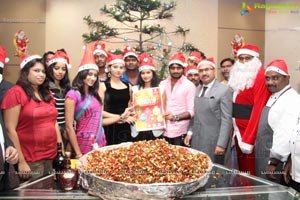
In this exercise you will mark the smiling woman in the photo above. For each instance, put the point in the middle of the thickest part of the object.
(30, 120)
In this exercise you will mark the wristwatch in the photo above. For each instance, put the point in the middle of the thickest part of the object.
(176, 118)
(271, 163)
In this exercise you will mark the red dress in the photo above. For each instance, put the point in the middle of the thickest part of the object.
(245, 129)
(36, 125)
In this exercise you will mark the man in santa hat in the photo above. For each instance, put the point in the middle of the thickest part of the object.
(100, 56)
(247, 79)
(180, 93)
(191, 73)
(132, 66)
(195, 57)
(213, 103)
(278, 118)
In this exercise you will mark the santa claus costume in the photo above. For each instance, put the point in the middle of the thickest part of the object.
(249, 97)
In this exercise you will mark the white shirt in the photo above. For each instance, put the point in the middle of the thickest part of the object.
(208, 88)
(294, 147)
(283, 116)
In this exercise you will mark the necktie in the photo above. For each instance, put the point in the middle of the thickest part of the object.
(203, 91)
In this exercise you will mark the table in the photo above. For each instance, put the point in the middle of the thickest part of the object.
(223, 183)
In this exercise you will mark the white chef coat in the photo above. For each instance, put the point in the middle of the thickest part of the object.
(283, 116)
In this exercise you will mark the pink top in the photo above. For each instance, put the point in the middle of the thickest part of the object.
(179, 100)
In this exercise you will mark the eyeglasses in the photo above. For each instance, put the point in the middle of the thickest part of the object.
(205, 70)
(246, 58)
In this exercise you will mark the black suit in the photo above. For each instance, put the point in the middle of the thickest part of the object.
(9, 179)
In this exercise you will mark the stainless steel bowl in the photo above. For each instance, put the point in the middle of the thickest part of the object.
(108, 189)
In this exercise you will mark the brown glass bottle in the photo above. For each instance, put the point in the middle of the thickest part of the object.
(58, 162)
(68, 176)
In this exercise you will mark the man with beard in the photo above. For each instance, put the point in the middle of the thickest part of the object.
(191, 73)
(278, 118)
(247, 79)
(212, 123)
(100, 56)
(132, 64)
(179, 103)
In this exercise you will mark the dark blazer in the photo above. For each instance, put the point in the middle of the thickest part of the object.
(9, 179)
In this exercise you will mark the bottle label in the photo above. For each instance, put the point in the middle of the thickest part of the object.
(69, 175)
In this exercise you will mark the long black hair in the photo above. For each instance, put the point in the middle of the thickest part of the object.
(154, 80)
(78, 84)
(64, 83)
(43, 89)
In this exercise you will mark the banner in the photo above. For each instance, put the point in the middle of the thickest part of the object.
(148, 106)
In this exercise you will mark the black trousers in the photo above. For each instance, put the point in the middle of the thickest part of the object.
(176, 141)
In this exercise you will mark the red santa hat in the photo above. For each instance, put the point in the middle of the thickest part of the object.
(278, 66)
(128, 51)
(209, 61)
(249, 49)
(115, 59)
(60, 56)
(191, 70)
(99, 47)
(3, 58)
(146, 62)
(27, 58)
(88, 61)
(178, 58)
(195, 56)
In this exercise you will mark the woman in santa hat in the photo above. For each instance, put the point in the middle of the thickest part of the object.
(30, 118)
(117, 100)
(58, 75)
(147, 79)
(84, 105)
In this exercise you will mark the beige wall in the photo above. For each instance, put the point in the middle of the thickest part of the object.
(65, 25)
(251, 26)
(283, 39)
(29, 16)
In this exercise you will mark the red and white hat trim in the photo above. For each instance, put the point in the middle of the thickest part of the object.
(100, 51)
(191, 71)
(28, 59)
(117, 61)
(5, 61)
(179, 62)
(88, 66)
(62, 60)
(247, 51)
(276, 69)
(146, 67)
(207, 62)
(130, 54)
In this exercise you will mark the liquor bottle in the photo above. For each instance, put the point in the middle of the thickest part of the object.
(58, 162)
(68, 176)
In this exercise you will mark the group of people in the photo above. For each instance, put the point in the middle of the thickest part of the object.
(253, 112)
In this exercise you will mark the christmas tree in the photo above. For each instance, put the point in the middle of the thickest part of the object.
(138, 22)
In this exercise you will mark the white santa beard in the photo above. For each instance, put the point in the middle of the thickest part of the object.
(242, 75)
